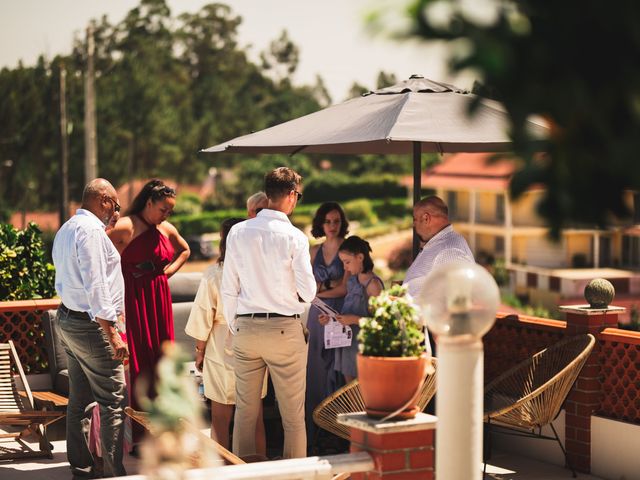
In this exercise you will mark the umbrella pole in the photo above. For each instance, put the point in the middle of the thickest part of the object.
(417, 189)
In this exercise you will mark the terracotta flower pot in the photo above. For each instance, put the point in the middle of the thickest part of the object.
(388, 383)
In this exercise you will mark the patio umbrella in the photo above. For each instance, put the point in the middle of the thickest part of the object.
(415, 116)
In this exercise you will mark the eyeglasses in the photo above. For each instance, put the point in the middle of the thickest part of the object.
(298, 194)
(116, 205)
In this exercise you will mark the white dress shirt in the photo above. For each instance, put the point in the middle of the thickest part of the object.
(266, 267)
(88, 273)
(443, 247)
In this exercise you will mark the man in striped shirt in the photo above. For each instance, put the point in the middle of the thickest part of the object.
(441, 244)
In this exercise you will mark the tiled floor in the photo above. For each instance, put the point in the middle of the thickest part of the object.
(503, 467)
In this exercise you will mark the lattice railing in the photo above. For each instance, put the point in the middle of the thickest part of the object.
(20, 321)
(619, 358)
(515, 338)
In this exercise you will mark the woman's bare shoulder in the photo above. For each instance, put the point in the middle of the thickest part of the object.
(122, 232)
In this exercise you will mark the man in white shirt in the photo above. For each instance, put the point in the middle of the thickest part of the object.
(441, 244)
(267, 270)
(90, 284)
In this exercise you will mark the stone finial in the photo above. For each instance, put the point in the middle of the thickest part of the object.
(599, 293)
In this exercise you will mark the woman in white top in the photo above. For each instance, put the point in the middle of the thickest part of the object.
(214, 351)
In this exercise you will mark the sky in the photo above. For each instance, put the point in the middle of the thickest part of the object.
(330, 34)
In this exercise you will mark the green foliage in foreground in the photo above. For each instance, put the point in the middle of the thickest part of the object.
(562, 61)
(394, 328)
(24, 272)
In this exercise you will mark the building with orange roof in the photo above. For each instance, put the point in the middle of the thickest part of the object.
(496, 226)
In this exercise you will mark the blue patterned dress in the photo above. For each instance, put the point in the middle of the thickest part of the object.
(322, 379)
(356, 302)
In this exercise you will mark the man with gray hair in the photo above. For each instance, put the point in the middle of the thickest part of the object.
(441, 244)
(90, 284)
(255, 203)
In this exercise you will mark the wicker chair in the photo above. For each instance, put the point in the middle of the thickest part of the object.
(17, 410)
(348, 399)
(530, 395)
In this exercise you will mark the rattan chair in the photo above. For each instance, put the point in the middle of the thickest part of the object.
(348, 399)
(18, 410)
(530, 395)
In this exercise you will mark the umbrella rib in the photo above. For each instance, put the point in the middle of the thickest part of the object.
(298, 150)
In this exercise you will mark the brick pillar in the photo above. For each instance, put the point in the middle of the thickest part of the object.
(584, 398)
(401, 450)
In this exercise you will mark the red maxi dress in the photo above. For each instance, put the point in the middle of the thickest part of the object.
(148, 312)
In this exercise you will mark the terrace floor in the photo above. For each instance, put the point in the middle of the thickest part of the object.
(504, 466)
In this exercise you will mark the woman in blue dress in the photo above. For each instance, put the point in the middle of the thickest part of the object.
(355, 254)
(331, 223)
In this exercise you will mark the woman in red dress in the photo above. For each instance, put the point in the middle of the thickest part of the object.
(152, 250)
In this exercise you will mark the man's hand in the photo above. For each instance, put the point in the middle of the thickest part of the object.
(323, 319)
(112, 222)
(120, 349)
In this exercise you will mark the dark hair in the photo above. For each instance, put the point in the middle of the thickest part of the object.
(279, 182)
(225, 228)
(155, 190)
(321, 214)
(355, 245)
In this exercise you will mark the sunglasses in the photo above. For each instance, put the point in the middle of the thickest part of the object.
(116, 205)
(298, 194)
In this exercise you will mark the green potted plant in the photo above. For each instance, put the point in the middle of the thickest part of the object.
(392, 363)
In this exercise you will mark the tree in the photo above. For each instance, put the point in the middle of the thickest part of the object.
(356, 90)
(166, 87)
(280, 61)
(385, 79)
(559, 60)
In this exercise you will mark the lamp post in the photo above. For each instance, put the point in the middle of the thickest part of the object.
(459, 303)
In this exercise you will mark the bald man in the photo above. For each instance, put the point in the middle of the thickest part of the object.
(90, 284)
(441, 244)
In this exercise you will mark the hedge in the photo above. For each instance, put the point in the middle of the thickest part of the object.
(362, 210)
(340, 187)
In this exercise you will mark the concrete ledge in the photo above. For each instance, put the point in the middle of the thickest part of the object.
(360, 420)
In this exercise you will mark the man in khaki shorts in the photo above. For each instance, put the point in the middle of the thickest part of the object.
(267, 271)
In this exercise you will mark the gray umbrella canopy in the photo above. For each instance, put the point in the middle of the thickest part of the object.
(389, 121)
(413, 117)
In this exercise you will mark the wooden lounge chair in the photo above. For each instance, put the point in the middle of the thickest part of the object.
(348, 399)
(143, 419)
(18, 410)
(530, 395)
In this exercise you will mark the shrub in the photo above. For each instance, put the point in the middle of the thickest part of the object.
(360, 211)
(394, 329)
(207, 222)
(188, 204)
(339, 187)
(24, 272)
(500, 272)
